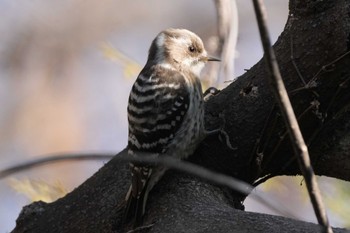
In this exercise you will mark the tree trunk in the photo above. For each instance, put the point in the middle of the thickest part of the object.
(310, 54)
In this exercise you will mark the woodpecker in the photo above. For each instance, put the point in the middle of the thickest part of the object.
(165, 111)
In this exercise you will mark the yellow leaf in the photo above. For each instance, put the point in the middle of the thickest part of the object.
(130, 67)
(36, 190)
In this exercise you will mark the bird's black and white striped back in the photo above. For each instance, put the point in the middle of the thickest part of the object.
(158, 103)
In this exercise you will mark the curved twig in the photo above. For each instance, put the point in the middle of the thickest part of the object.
(52, 159)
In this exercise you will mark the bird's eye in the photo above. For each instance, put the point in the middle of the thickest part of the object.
(191, 49)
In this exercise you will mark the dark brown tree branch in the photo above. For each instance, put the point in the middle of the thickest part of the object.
(85, 200)
(186, 167)
(313, 48)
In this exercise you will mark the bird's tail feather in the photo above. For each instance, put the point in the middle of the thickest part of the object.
(134, 209)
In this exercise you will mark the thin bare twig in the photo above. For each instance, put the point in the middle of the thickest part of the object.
(325, 67)
(294, 63)
(52, 159)
(218, 179)
(282, 98)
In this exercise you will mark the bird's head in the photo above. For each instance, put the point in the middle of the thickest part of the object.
(180, 49)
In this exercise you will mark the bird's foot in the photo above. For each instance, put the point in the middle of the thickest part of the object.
(210, 92)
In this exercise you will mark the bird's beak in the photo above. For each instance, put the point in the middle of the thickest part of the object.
(212, 59)
(206, 59)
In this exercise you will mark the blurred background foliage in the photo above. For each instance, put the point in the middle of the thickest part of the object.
(66, 69)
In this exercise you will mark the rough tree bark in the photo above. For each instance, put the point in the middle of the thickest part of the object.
(315, 37)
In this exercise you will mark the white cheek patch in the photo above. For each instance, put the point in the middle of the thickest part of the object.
(187, 62)
(194, 65)
(197, 68)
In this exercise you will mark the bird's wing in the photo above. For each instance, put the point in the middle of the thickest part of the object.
(158, 103)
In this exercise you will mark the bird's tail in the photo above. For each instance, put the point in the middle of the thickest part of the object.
(135, 207)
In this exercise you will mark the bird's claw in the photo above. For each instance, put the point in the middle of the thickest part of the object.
(210, 92)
